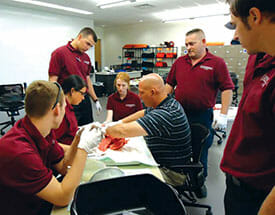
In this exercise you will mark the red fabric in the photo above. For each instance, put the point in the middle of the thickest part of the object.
(66, 61)
(197, 86)
(122, 108)
(68, 128)
(249, 153)
(112, 143)
(26, 161)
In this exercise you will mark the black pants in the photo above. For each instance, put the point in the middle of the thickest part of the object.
(240, 198)
(205, 118)
(84, 112)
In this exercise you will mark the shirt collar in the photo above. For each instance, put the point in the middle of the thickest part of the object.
(41, 142)
(69, 106)
(208, 56)
(71, 48)
(117, 97)
(263, 63)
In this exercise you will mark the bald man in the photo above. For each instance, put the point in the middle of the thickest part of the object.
(164, 126)
(196, 78)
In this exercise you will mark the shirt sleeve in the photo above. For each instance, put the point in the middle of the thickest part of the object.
(56, 154)
(171, 78)
(56, 63)
(31, 175)
(156, 123)
(110, 105)
(223, 77)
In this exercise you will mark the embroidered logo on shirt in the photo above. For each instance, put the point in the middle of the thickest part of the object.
(130, 105)
(87, 62)
(78, 59)
(264, 80)
(206, 67)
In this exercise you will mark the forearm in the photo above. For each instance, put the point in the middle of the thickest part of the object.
(91, 90)
(122, 130)
(71, 152)
(53, 78)
(74, 174)
(134, 116)
(109, 117)
(226, 97)
(268, 206)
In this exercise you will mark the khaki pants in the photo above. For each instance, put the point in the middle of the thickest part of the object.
(171, 177)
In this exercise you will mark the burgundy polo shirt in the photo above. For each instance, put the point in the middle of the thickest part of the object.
(66, 61)
(250, 150)
(68, 128)
(26, 161)
(197, 86)
(122, 108)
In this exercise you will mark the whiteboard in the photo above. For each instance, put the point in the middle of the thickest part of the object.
(28, 38)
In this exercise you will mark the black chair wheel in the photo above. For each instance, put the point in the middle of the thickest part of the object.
(2, 132)
(208, 212)
(219, 142)
(224, 135)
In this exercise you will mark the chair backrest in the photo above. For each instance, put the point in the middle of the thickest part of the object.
(136, 193)
(199, 134)
(11, 94)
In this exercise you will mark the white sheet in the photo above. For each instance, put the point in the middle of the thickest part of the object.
(133, 153)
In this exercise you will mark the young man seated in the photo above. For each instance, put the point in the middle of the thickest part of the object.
(29, 153)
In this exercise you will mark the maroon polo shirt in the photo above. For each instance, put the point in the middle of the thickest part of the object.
(26, 161)
(197, 86)
(68, 128)
(66, 61)
(122, 108)
(250, 150)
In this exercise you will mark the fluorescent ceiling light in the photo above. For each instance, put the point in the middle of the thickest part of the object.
(114, 3)
(199, 11)
(55, 6)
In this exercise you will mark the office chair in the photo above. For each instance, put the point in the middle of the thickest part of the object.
(136, 194)
(194, 171)
(11, 101)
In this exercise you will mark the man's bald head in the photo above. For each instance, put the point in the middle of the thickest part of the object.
(152, 81)
(152, 90)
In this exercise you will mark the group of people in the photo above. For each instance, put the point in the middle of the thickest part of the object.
(47, 139)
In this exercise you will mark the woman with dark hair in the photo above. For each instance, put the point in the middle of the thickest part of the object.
(74, 89)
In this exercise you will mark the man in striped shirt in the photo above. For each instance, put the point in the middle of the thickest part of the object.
(164, 126)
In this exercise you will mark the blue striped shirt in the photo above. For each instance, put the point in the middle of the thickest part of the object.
(169, 135)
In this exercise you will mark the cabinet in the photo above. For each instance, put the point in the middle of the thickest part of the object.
(151, 59)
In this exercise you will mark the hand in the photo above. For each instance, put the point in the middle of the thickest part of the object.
(90, 138)
(109, 124)
(98, 106)
(221, 122)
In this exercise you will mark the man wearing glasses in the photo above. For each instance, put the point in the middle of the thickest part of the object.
(29, 155)
(248, 159)
(71, 59)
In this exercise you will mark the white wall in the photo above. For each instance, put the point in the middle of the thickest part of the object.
(156, 33)
(28, 38)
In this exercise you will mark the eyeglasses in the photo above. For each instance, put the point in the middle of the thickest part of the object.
(58, 95)
(82, 93)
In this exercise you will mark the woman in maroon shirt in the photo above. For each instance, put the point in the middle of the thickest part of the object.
(123, 102)
(74, 88)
